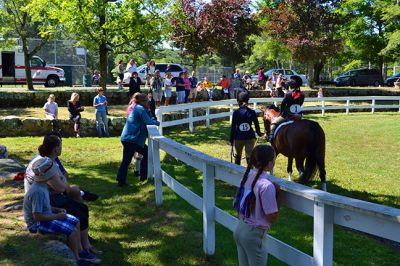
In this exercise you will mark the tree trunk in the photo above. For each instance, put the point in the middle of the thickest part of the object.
(311, 75)
(103, 52)
(27, 61)
(195, 60)
(317, 71)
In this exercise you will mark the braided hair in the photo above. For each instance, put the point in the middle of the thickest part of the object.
(260, 157)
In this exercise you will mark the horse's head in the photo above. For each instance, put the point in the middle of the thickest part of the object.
(270, 113)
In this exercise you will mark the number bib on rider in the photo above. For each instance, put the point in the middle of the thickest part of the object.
(295, 109)
(244, 127)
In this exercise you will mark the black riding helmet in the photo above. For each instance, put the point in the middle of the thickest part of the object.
(243, 97)
(295, 83)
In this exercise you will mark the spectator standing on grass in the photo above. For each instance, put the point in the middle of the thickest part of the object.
(236, 84)
(120, 69)
(193, 84)
(133, 139)
(134, 84)
(257, 203)
(51, 111)
(188, 85)
(156, 85)
(100, 103)
(270, 87)
(40, 216)
(168, 87)
(262, 78)
(131, 66)
(320, 93)
(208, 86)
(225, 83)
(75, 109)
(180, 88)
(247, 80)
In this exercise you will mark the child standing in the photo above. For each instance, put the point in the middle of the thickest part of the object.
(100, 103)
(258, 208)
(168, 87)
(51, 111)
(320, 93)
(40, 216)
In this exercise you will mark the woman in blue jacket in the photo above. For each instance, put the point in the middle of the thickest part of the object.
(133, 139)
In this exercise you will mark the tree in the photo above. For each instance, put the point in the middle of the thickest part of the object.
(123, 26)
(391, 15)
(19, 20)
(201, 27)
(365, 29)
(233, 23)
(308, 28)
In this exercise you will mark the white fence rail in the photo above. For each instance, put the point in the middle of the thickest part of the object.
(323, 104)
(326, 208)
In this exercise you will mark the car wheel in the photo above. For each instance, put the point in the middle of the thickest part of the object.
(376, 83)
(51, 82)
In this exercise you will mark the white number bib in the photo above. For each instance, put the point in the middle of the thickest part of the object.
(244, 127)
(295, 109)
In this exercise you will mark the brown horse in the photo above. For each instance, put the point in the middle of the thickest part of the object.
(303, 140)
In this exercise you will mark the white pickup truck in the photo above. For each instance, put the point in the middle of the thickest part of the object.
(12, 70)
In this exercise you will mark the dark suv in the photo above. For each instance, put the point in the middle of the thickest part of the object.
(360, 77)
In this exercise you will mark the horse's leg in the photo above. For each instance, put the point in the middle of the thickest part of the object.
(300, 168)
(322, 172)
(290, 168)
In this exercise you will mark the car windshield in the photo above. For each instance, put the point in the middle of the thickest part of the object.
(348, 73)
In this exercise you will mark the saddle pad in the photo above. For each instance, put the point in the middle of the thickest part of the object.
(282, 125)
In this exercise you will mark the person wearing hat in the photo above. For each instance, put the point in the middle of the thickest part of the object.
(134, 84)
(242, 134)
(247, 80)
(290, 106)
(41, 217)
(156, 85)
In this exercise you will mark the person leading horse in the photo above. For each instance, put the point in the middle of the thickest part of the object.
(290, 106)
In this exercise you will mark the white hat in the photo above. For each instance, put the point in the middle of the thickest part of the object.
(44, 169)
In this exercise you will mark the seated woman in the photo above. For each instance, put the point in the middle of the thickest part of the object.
(62, 195)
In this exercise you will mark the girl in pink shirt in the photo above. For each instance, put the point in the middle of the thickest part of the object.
(258, 208)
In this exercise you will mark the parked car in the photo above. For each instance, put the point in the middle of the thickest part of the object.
(391, 80)
(360, 77)
(175, 70)
(288, 73)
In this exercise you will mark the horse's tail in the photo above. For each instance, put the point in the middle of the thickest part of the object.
(315, 154)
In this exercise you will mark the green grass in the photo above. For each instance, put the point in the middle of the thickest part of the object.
(362, 162)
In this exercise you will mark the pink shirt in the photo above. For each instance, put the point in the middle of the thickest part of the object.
(265, 204)
(130, 108)
(187, 83)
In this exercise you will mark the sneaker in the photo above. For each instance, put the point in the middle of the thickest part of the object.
(86, 256)
(125, 185)
(89, 196)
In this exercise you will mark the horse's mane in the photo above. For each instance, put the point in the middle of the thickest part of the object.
(273, 107)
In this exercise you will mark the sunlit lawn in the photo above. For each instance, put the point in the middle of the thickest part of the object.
(362, 162)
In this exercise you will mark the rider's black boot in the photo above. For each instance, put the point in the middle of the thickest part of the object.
(248, 160)
(238, 159)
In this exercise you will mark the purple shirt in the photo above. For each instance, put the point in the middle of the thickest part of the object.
(261, 75)
(187, 83)
(265, 204)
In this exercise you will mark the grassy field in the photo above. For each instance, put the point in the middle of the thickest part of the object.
(362, 162)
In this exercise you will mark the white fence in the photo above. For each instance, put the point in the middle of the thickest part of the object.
(349, 103)
(326, 208)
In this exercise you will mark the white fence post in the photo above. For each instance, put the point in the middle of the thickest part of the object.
(373, 106)
(208, 117)
(399, 106)
(254, 105)
(347, 109)
(208, 209)
(323, 234)
(191, 128)
(157, 173)
(160, 119)
(150, 167)
(231, 111)
(323, 108)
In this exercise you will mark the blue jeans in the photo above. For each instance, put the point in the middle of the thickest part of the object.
(129, 149)
(102, 123)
